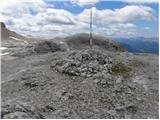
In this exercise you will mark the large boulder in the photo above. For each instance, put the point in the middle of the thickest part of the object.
(46, 46)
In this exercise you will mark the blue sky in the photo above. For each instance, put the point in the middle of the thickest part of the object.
(113, 18)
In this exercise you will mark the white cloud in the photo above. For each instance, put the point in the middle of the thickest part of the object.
(59, 16)
(139, 1)
(123, 26)
(125, 14)
(47, 22)
(127, 29)
(147, 28)
(92, 2)
(84, 2)
(51, 22)
(22, 5)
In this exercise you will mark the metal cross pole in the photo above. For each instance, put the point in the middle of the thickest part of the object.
(91, 29)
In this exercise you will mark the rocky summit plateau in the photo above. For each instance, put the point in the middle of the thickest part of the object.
(64, 78)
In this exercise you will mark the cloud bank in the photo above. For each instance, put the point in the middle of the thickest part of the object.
(84, 2)
(37, 18)
(139, 1)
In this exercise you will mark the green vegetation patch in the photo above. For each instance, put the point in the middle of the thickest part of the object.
(120, 69)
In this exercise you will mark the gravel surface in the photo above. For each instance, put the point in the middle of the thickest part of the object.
(80, 84)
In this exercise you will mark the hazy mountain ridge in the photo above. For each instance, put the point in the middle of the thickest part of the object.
(81, 41)
(140, 44)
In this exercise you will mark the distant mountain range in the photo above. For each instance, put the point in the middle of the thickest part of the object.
(140, 44)
(137, 44)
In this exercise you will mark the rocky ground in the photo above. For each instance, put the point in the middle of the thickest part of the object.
(79, 84)
(63, 78)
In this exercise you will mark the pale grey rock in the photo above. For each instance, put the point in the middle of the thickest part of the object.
(96, 81)
(16, 115)
(57, 87)
(90, 63)
(119, 79)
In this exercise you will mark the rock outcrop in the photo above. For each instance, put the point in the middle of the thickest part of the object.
(81, 41)
(46, 46)
(84, 63)
(8, 34)
(78, 42)
(3, 25)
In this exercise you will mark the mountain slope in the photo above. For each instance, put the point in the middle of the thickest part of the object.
(81, 41)
(8, 34)
(140, 44)
(77, 42)
(10, 38)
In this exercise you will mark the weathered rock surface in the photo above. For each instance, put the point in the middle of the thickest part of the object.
(46, 46)
(126, 87)
(85, 63)
(20, 46)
